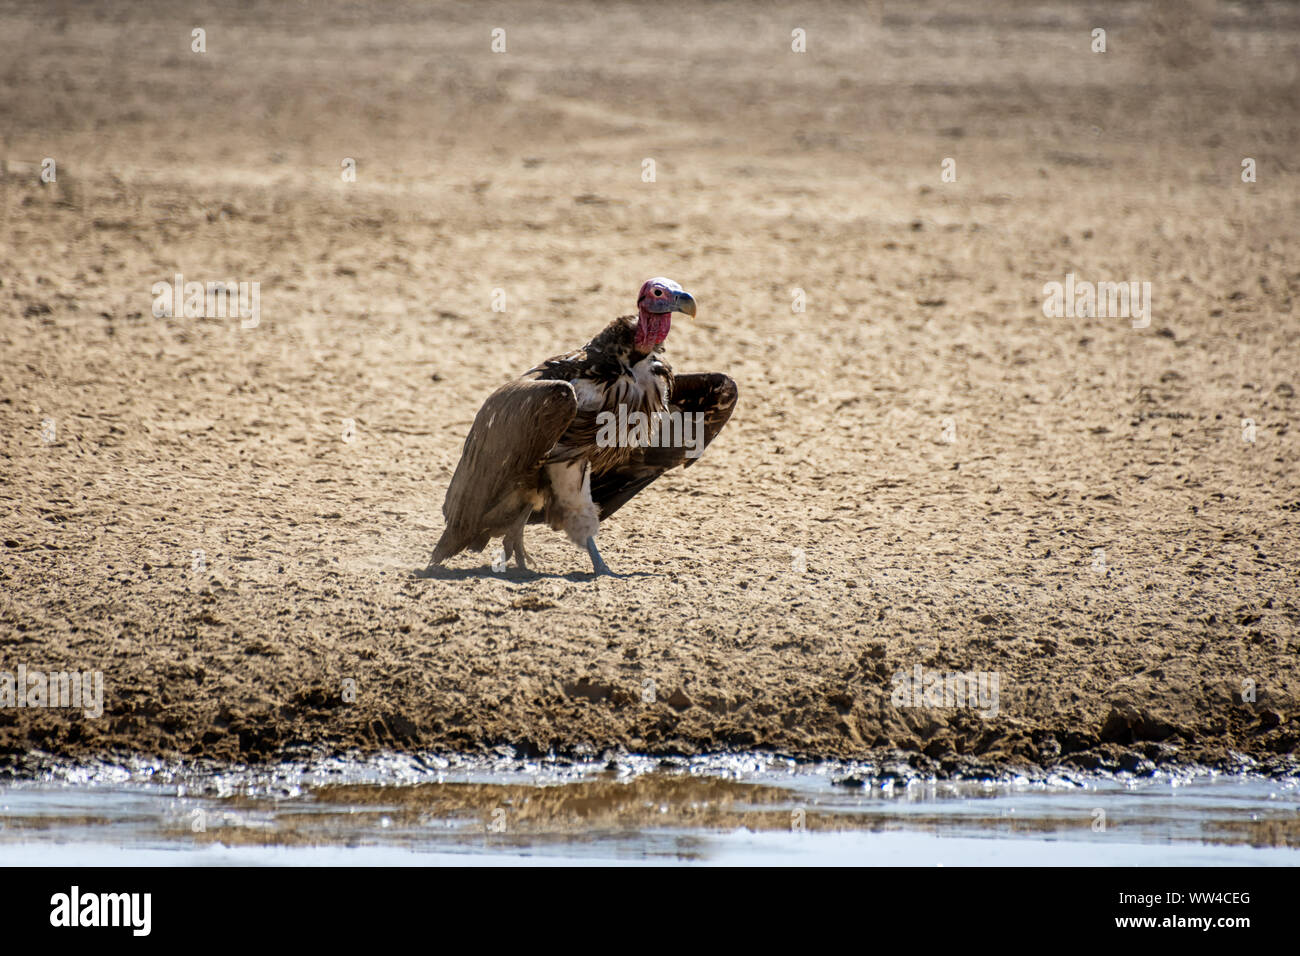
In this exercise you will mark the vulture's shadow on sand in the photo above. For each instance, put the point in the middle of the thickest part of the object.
(514, 574)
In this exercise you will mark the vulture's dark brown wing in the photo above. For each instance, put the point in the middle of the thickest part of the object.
(711, 393)
(564, 367)
(513, 431)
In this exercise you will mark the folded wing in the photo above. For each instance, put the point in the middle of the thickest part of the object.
(498, 471)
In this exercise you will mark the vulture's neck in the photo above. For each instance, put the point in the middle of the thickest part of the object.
(618, 342)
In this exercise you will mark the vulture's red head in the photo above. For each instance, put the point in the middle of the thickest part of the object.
(658, 300)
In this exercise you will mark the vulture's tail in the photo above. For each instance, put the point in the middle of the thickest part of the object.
(443, 550)
(453, 541)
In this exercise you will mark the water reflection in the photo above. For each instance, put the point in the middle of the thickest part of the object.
(735, 808)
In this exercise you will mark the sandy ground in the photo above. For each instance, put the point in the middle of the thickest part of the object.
(923, 469)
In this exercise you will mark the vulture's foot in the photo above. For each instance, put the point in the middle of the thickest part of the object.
(598, 564)
(513, 541)
(515, 546)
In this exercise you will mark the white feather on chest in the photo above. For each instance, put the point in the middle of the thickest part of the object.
(640, 390)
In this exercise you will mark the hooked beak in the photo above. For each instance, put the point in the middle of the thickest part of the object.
(685, 303)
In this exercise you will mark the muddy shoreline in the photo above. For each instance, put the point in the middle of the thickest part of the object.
(1129, 742)
(879, 768)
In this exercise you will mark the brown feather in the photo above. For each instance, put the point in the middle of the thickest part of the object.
(710, 393)
(500, 468)
(550, 416)
(603, 364)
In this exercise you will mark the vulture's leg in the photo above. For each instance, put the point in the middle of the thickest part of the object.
(521, 556)
(571, 510)
(598, 564)
(569, 507)
(514, 540)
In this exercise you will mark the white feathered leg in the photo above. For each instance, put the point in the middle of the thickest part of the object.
(572, 510)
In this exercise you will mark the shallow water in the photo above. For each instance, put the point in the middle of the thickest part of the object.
(720, 810)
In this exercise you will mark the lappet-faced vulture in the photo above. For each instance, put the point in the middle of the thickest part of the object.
(573, 439)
